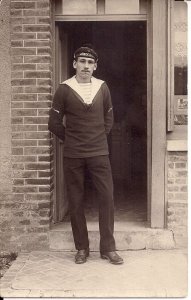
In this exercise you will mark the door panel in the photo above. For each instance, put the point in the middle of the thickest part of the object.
(60, 206)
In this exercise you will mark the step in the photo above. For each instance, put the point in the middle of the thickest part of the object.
(128, 236)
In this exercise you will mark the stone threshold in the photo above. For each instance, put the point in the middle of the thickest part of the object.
(128, 236)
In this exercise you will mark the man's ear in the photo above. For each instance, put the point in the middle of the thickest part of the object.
(74, 64)
(95, 66)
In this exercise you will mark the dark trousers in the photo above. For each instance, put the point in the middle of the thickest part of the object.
(100, 170)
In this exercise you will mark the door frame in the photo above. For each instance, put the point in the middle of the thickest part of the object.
(156, 19)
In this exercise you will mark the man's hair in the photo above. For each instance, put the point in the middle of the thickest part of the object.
(86, 51)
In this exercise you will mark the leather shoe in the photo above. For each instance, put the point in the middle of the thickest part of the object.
(113, 257)
(81, 256)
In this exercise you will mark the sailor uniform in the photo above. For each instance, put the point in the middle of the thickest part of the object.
(88, 122)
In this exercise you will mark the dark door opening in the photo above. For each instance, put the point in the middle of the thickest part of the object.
(122, 50)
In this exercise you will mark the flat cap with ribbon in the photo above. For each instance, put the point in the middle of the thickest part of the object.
(86, 51)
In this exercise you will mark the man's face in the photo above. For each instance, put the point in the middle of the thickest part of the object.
(85, 67)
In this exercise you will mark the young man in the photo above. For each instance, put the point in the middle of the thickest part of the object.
(86, 104)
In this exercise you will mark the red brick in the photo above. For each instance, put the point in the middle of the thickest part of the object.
(17, 151)
(36, 43)
(37, 181)
(44, 35)
(44, 97)
(37, 166)
(25, 189)
(29, 20)
(17, 135)
(43, 112)
(17, 74)
(23, 51)
(177, 156)
(46, 204)
(18, 166)
(37, 104)
(43, 143)
(25, 222)
(22, 20)
(46, 20)
(36, 28)
(173, 189)
(16, 104)
(23, 67)
(44, 81)
(16, 21)
(23, 36)
(17, 89)
(36, 135)
(22, 5)
(181, 165)
(13, 197)
(44, 213)
(44, 51)
(24, 174)
(43, 222)
(43, 127)
(37, 89)
(184, 188)
(170, 196)
(174, 174)
(37, 59)
(41, 197)
(36, 150)
(180, 196)
(47, 67)
(18, 182)
(24, 97)
(25, 81)
(24, 112)
(23, 143)
(16, 43)
(17, 59)
(36, 12)
(25, 158)
(43, 4)
(16, 120)
(24, 128)
(16, 12)
(37, 74)
(43, 174)
(44, 158)
(16, 28)
(36, 120)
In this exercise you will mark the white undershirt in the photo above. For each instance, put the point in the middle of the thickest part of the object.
(86, 91)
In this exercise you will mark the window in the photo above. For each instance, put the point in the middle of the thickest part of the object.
(76, 7)
(94, 7)
(180, 63)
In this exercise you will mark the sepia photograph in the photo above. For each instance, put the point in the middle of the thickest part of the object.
(94, 148)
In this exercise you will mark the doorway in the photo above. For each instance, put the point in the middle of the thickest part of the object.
(122, 51)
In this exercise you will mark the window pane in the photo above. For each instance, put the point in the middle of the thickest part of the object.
(78, 7)
(180, 47)
(122, 6)
(180, 63)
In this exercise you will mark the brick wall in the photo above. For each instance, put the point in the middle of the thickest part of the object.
(177, 205)
(28, 207)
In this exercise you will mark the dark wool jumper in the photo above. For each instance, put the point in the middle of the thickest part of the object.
(86, 127)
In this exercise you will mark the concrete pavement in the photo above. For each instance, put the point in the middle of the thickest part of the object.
(145, 273)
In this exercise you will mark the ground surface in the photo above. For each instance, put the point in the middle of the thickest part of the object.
(145, 273)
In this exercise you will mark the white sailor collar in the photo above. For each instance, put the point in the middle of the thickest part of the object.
(73, 84)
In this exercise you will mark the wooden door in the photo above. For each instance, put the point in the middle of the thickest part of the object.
(60, 205)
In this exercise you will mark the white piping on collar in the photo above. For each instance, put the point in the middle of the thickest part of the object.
(96, 84)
